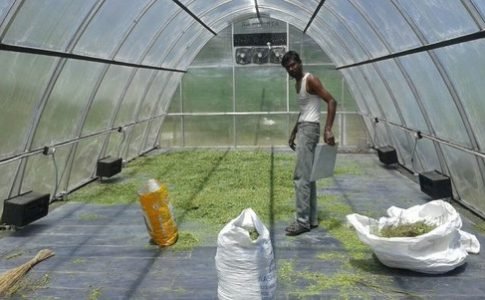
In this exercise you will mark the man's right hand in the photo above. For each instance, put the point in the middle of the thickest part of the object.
(328, 137)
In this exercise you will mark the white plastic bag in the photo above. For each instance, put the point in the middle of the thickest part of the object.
(441, 250)
(245, 267)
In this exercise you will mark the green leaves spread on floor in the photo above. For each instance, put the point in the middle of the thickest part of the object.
(207, 186)
(212, 187)
(186, 241)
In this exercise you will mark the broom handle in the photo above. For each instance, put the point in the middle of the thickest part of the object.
(41, 255)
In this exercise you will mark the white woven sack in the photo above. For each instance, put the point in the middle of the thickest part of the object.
(441, 250)
(245, 267)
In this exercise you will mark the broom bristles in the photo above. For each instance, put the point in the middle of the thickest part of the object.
(11, 277)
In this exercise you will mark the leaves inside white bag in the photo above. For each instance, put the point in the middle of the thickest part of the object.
(253, 233)
(406, 230)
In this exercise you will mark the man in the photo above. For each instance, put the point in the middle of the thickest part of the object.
(310, 93)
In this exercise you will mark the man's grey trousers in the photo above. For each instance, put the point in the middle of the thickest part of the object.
(306, 191)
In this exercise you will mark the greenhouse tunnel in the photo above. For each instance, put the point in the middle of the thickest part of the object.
(183, 83)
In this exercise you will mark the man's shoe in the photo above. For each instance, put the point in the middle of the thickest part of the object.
(296, 230)
(292, 226)
(296, 224)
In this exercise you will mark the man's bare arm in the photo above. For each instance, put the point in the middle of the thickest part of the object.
(315, 87)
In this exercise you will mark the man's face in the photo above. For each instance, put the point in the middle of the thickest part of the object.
(293, 68)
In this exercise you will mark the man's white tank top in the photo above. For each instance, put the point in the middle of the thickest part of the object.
(309, 104)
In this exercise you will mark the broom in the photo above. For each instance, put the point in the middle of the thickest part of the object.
(9, 278)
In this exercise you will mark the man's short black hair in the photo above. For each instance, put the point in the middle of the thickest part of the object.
(290, 55)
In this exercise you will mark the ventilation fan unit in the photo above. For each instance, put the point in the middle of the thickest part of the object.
(109, 166)
(435, 184)
(260, 55)
(243, 56)
(26, 208)
(387, 155)
(276, 54)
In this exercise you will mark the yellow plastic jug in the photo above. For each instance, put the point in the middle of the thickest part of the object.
(158, 214)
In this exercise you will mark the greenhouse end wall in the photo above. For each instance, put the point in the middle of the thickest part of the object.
(222, 103)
